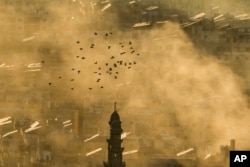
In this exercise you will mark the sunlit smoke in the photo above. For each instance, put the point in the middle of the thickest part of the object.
(173, 90)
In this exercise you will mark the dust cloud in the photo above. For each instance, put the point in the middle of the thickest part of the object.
(174, 89)
(205, 98)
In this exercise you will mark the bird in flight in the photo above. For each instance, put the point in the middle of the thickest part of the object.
(111, 67)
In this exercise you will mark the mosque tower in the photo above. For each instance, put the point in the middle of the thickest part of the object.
(114, 142)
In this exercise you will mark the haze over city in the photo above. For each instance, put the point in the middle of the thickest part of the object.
(177, 70)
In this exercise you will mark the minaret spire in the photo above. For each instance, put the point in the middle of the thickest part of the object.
(114, 142)
(115, 106)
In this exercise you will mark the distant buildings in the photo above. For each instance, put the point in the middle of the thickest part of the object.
(227, 37)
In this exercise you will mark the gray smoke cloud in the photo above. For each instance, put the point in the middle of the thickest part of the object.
(189, 95)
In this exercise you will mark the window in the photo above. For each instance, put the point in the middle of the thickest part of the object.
(241, 30)
(47, 158)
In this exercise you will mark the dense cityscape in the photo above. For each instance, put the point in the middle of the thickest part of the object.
(175, 71)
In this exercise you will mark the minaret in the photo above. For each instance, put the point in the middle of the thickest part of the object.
(114, 143)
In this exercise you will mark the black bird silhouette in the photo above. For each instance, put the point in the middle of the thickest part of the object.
(110, 69)
(95, 62)
(59, 77)
(131, 48)
(73, 69)
(110, 73)
(78, 71)
(99, 68)
(50, 83)
(98, 80)
(120, 62)
(130, 43)
(112, 57)
(122, 53)
(134, 62)
(110, 33)
(115, 77)
(72, 80)
(81, 48)
(83, 57)
(117, 72)
(132, 51)
(42, 61)
(115, 65)
(107, 64)
(72, 88)
(95, 72)
(77, 56)
(90, 88)
(95, 33)
(130, 63)
(125, 64)
(129, 67)
(99, 73)
(101, 87)
(109, 47)
(78, 42)
(138, 54)
(122, 46)
(107, 34)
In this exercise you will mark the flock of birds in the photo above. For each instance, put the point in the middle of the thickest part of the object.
(114, 64)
